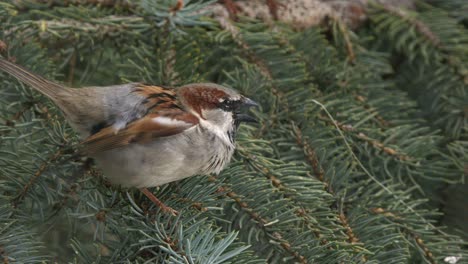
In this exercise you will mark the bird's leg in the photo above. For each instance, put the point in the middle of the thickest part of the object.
(157, 202)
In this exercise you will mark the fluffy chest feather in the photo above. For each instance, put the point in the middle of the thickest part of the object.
(195, 151)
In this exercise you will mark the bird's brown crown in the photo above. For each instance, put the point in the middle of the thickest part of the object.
(206, 96)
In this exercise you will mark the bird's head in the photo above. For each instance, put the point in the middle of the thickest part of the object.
(218, 107)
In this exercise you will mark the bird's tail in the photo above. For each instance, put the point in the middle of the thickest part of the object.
(48, 88)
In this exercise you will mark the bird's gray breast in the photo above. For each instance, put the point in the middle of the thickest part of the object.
(219, 155)
(192, 152)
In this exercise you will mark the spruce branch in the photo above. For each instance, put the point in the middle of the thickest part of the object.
(318, 171)
(338, 27)
(436, 52)
(420, 27)
(373, 111)
(261, 221)
(428, 254)
(375, 143)
(380, 184)
(16, 116)
(301, 212)
(42, 168)
(433, 38)
(25, 6)
(18, 243)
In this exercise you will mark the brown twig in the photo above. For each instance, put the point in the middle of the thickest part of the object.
(372, 110)
(351, 235)
(28, 105)
(375, 143)
(179, 5)
(381, 146)
(344, 32)
(3, 47)
(422, 28)
(70, 192)
(427, 33)
(196, 205)
(418, 240)
(310, 154)
(301, 212)
(4, 255)
(172, 243)
(11, 122)
(101, 215)
(262, 222)
(319, 173)
(36, 175)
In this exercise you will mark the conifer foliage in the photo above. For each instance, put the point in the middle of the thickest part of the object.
(362, 131)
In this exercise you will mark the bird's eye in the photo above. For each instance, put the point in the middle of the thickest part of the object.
(227, 105)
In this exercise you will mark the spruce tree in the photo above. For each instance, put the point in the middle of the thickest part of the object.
(360, 155)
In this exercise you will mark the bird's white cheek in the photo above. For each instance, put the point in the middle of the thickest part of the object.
(219, 129)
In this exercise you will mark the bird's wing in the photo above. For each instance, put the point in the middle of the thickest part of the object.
(165, 117)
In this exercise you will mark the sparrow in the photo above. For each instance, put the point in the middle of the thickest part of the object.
(144, 135)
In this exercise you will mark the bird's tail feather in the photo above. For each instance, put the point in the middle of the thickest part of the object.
(48, 88)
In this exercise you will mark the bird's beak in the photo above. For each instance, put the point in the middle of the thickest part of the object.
(246, 118)
(247, 103)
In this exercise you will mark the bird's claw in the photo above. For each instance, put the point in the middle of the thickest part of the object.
(169, 210)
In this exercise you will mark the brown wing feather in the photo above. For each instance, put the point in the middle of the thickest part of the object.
(164, 118)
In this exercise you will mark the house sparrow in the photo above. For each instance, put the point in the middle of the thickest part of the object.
(146, 135)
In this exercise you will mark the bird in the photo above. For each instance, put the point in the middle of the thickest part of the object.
(143, 135)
